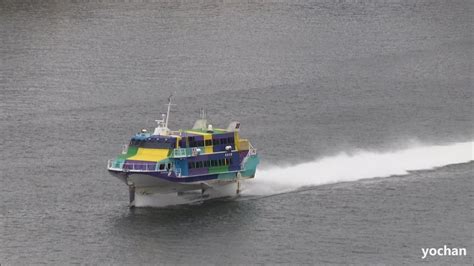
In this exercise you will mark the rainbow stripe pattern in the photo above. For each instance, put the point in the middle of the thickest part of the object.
(189, 156)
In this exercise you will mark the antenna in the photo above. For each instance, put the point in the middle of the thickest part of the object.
(168, 112)
(203, 113)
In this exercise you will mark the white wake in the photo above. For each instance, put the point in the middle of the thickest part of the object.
(360, 165)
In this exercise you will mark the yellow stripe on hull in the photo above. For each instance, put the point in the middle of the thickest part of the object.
(151, 155)
(236, 141)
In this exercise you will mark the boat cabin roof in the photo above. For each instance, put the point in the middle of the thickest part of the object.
(145, 136)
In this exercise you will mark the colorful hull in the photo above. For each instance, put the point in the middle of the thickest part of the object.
(169, 181)
(178, 161)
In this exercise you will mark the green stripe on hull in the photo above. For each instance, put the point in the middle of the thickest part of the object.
(250, 166)
(118, 163)
(218, 169)
(227, 176)
(132, 151)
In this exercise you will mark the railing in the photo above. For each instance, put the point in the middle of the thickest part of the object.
(181, 152)
(252, 150)
(124, 148)
(174, 132)
(119, 165)
(115, 164)
(186, 152)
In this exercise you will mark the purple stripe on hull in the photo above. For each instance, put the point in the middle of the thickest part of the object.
(234, 167)
(198, 171)
(242, 155)
(173, 178)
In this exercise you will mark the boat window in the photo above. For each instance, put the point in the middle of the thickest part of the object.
(199, 164)
(221, 162)
(226, 161)
(230, 140)
(213, 163)
(223, 141)
(200, 143)
(207, 163)
(191, 139)
(208, 142)
(215, 142)
(230, 160)
(162, 166)
(169, 166)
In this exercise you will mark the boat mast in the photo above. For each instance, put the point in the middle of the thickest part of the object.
(168, 112)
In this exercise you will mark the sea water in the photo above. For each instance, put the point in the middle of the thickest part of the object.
(361, 112)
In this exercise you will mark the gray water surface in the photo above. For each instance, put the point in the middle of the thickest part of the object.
(307, 79)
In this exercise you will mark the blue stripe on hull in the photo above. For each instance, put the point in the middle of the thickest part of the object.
(173, 178)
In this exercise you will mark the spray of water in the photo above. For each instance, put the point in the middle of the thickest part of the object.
(360, 165)
(191, 197)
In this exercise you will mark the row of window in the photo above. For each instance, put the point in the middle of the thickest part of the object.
(210, 163)
(210, 142)
(160, 140)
